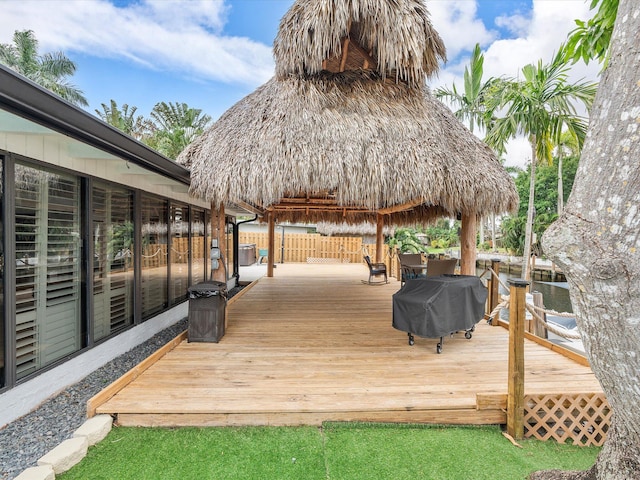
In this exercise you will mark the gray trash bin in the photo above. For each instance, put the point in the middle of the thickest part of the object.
(246, 254)
(207, 304)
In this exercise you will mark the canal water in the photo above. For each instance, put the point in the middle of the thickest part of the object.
(555, 294)
(556, 297)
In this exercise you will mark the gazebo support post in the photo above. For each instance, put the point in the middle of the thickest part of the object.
(218, 239)
(271, 244)
(468, 245)
(379, 238)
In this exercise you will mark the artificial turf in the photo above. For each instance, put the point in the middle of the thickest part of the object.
(336, 451)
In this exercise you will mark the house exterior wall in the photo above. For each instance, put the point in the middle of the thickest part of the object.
(99, 242)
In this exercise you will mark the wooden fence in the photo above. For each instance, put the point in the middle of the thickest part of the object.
(315, 248)
(297, 248)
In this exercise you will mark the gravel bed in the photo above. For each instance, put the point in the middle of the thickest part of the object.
(28, 438)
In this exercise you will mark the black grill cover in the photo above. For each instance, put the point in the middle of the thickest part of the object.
(437, 306)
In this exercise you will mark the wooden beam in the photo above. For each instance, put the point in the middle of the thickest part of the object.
(315, 207)
(515, 387)
(345, 53)
(306, 201)
(468, 245)
(218, 226)
(379, 239)
(491, 401)
(401, 207)
(250, 208)
(368, 59)
(271, 244)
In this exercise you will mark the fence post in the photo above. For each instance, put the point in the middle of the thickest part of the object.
(515, 392)
(379, 239)
(271, 243)
(538, 329)
(494, 289)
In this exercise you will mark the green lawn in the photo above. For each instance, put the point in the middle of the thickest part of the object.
(336, 451)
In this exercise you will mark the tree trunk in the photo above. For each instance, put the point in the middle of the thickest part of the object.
(493, 232)
(526, 258)
(560, 184)
(597, 243)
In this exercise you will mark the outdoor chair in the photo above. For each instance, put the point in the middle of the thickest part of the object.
(441, 267)
(406, 272)
(375, 270)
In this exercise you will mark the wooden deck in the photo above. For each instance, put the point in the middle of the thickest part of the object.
(314, 344)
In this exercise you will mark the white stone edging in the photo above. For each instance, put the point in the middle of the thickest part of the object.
(71, 451)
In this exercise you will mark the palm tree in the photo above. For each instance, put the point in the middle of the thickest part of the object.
(540, 107)
(177, 125)
(126, 120)
(49, 70)
(471, 102)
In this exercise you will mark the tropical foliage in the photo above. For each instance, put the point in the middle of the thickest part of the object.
(471, 104)
(176, 126)
(169, 130)
(590, 39)
(406, 240)
(443, 233)
(50, 70)
(545, 205)
(540, 106)
(125, 119)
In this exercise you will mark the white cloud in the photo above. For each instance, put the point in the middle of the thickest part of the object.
(186, 37)
(189, 37)
(457, 23)
(541, 32)
(516, 24)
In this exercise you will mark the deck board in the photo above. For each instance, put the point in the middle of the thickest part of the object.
(313, 344)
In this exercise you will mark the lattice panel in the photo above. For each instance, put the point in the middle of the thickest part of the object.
(326, 260)
(582, 418)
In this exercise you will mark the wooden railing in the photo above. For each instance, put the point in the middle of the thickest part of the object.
(583, 419)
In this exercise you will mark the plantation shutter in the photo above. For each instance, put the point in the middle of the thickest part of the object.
(113, 260)
(28, 240)
(47, 268)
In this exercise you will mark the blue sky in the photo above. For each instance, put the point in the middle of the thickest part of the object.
(211, 53)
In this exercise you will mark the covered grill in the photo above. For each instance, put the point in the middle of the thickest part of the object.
(439, 306)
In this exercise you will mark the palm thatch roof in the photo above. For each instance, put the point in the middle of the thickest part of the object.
(394, 38)
(344, 228)
(347, 129)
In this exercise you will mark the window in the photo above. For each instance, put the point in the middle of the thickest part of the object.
(3, 359)
(198, 247)
(113, 278)
(154, 255)
(179, 252)
(48, 259)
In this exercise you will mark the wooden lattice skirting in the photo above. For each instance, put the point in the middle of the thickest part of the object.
(582, 418)
(326, 260)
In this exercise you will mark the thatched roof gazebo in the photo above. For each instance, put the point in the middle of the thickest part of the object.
(347, 130)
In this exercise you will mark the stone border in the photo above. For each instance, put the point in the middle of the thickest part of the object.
(71, 451)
